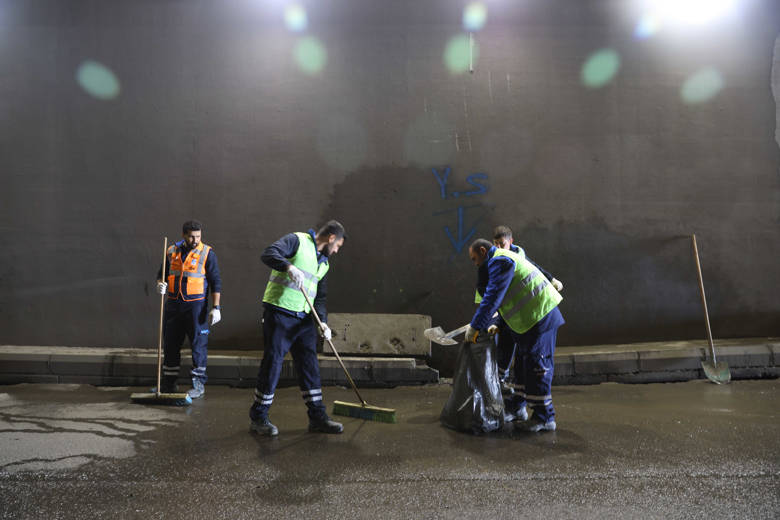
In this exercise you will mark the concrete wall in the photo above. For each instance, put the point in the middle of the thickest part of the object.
(210, 116)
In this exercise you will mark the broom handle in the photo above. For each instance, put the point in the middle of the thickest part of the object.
(162, 304)
(703, 299)
(349, 378)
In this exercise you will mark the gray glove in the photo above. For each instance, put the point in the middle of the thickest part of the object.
(296, 275)
(162, 287)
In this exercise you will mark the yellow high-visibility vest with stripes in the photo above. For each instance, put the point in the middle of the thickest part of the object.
(477, 296)
(281, 290)
(530, 296)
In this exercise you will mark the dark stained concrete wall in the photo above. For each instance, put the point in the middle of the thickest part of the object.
(215, 121)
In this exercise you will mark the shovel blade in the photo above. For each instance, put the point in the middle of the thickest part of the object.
(437, 335)
(718, 373)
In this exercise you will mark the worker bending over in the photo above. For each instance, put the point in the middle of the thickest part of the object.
(528, 303)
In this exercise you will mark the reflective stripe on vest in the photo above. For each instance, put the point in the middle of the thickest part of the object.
(187, 277)
(281, 290)
(529, 297)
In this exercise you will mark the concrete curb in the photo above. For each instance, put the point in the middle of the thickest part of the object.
(748, 358)
(138, 367)
(632, 363)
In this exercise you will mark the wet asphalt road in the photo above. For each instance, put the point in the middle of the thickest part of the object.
(685, 450)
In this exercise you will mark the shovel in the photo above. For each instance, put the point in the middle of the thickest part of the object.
(716, 371)
(437, 334)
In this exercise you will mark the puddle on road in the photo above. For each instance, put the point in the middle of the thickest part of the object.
(39, 436)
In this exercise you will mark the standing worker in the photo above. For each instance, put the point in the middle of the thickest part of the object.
(297, 261)
(190, 270)
(528, 303)
(502, 237)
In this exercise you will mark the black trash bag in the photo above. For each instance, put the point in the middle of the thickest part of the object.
(475, 404)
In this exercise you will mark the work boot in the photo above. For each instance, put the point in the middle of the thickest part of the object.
(264, 427)
(515, 415)
(197, 390)
(325, 425)
(535, 424)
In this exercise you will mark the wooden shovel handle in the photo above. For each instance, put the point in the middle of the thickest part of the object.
(703, 299)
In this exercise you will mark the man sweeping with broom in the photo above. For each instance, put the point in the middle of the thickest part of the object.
(298, 261)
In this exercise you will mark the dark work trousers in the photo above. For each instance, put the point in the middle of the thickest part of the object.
(282, 333)
(185, 319)
(534, 366)
(505, 351)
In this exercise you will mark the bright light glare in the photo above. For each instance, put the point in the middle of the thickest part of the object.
(295, 18)
(474, 16)
(648, 25)
(690, 12)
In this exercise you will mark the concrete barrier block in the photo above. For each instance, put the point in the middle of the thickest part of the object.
(380, 334)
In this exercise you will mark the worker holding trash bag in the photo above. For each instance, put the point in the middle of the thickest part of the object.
(506, 352)
(505, 355)
(298, 261)
(528, 303)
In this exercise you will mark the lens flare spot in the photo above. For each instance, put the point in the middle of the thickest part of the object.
(474, 16)
(295, 18)
(97, 80)
(648, 26)
(310, 55)
(459, 54)
(600, 68)
(702, 86)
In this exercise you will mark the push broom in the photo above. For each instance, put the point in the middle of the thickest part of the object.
(362, 410)
(158, 397)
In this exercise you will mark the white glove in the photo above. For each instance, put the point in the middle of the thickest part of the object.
(296, 275)
(557, 284)
(326, 332)
(215, 316)
(162, 287)
(493, 330)
(471, 334)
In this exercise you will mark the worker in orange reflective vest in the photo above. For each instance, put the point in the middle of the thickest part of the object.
(190, 271)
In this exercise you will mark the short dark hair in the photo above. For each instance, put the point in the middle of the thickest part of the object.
(332, 227)
(502, 232)
(480, 242)
(191, 225)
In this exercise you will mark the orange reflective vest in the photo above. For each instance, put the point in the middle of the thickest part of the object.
(187, 278)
